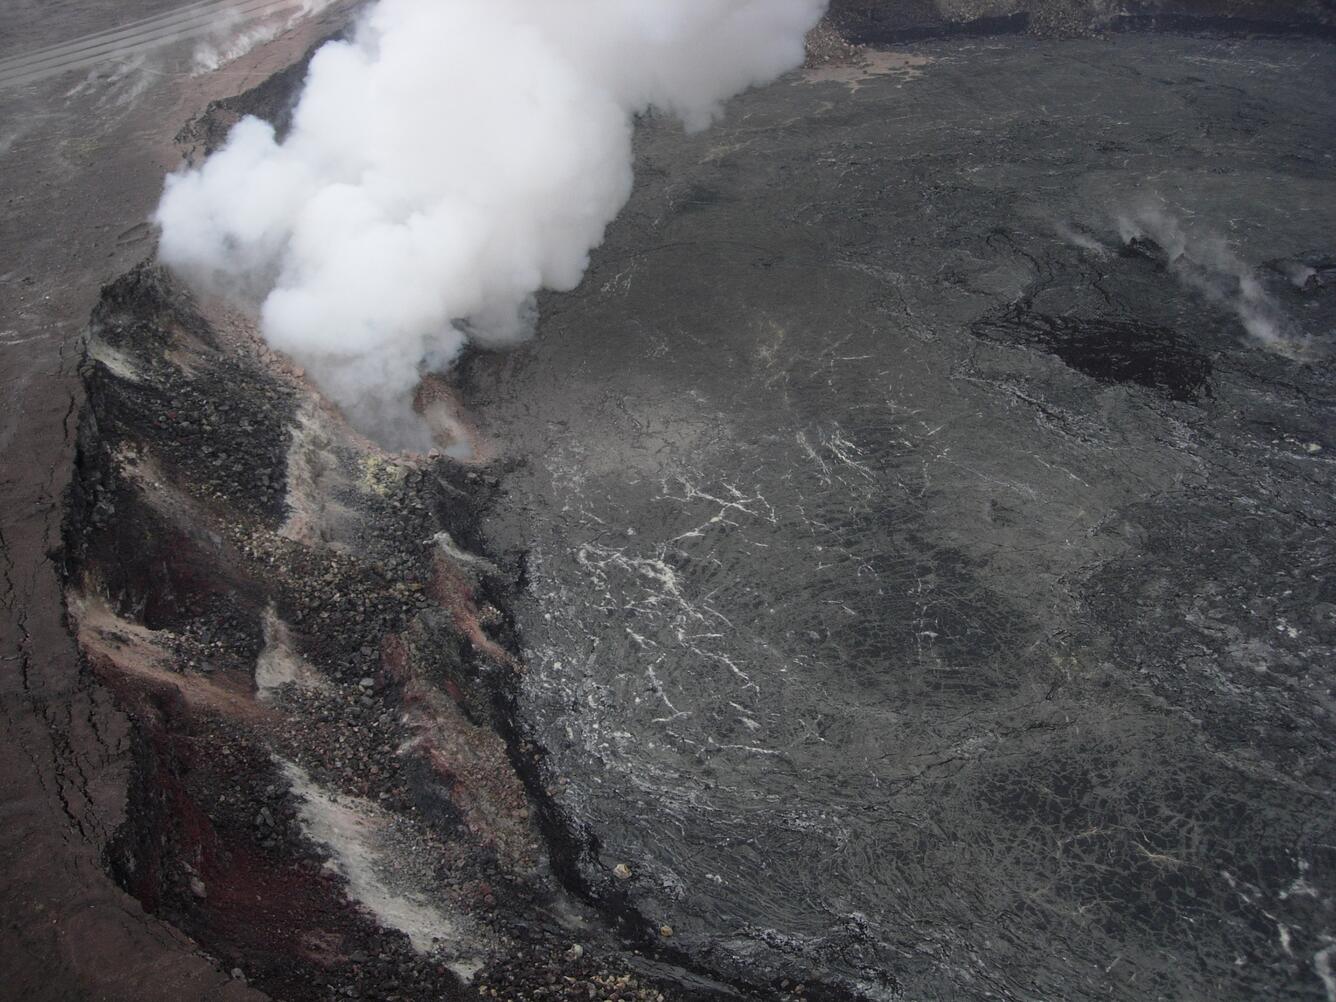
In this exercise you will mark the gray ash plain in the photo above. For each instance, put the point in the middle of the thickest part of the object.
(927, 588)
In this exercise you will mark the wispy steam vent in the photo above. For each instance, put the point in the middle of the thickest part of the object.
(451, 160)
(1204, 263)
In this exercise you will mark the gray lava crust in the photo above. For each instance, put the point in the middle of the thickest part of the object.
(929, 577)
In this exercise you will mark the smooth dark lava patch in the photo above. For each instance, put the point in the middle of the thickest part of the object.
(1109, 351)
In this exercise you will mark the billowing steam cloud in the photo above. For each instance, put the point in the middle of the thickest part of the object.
(452, 159)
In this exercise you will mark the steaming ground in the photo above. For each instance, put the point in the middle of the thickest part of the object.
(929, 550)
(446, 164)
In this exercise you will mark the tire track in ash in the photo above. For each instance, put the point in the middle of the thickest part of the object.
(137, 36)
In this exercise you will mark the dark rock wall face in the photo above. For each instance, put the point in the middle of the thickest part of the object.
(330, 794)
(929, 567)
(179, 576)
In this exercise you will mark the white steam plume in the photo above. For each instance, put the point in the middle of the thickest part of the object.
(452, 159)
(1204, 262)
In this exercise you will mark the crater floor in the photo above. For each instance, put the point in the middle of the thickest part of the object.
(928, 556)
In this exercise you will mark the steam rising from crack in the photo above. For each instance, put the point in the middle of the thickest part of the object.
(447, 163)
(1205, 263)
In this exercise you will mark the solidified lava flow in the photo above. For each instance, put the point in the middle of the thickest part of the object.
(881, 578)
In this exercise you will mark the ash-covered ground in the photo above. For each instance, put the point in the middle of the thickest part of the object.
(901, 570)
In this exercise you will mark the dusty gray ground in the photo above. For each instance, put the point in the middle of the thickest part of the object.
(925, 589)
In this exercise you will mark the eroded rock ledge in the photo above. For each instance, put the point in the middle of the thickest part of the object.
(330, 795)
